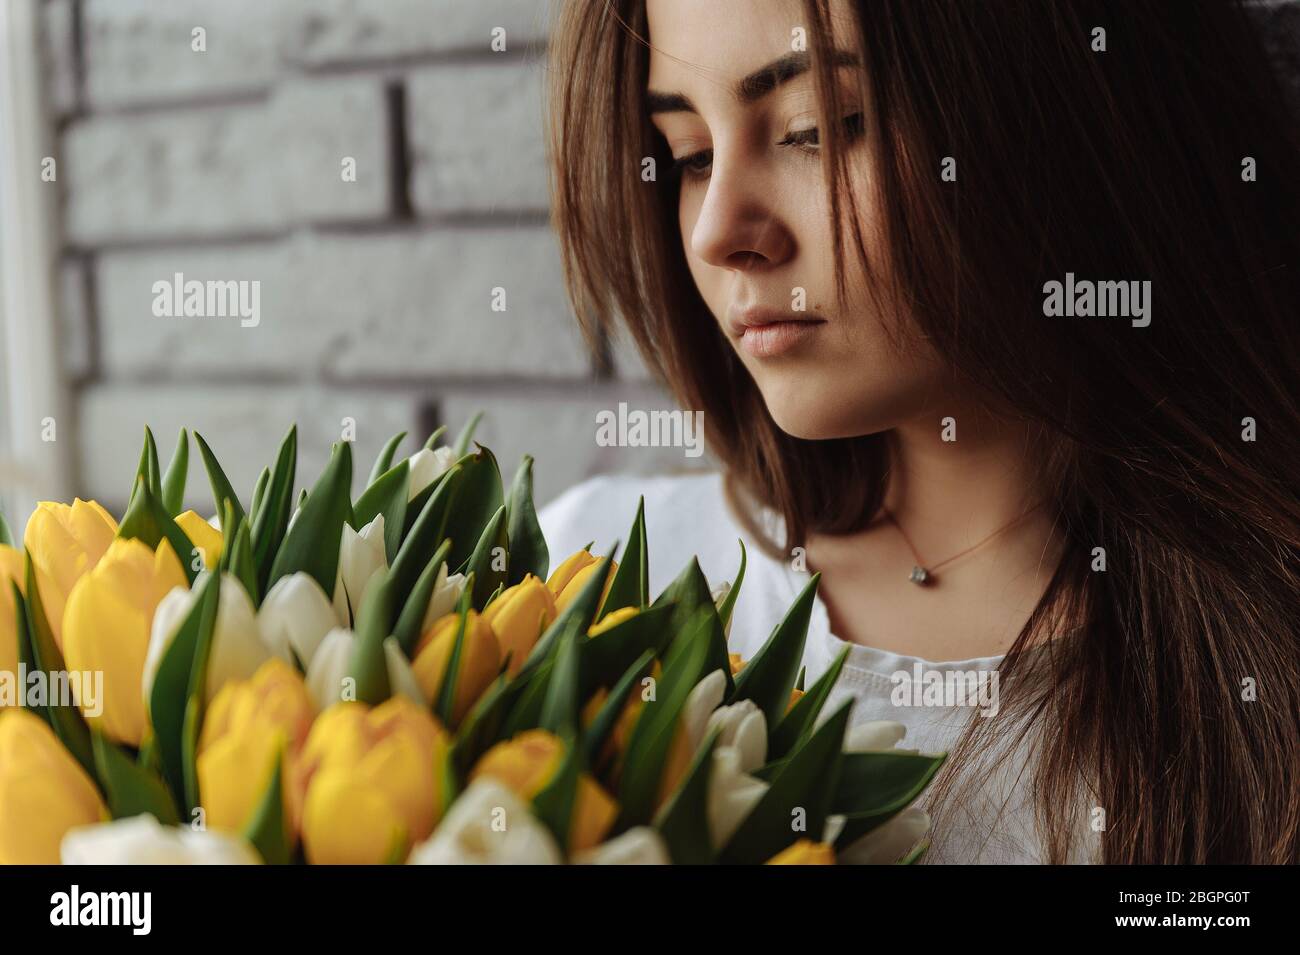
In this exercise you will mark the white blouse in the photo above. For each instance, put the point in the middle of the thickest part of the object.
(687, 515)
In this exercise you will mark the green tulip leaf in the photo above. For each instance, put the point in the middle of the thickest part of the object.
(221, 489)
(384, 462)
(526, 714)
(171, 684)
(6, 535)
(242, 565)
(147, 520)
(431, 442)
(602, 726)
(798, 723)
(729, 601)
(178, 472)
(560, 709)
(275, 509)
(874, 787)
(489, 563)
(466, 434)
(482, 724)
(479, 498)
(410, 621)
(312, 544)
(631, 584)
(690, 592)
(769, 677)
(528, 551)
(445, 706)
(259, 492)
(369, 666)
(129, 789)
(427, 532)
(27, 653)
(66, 721)
(607, 655)
(268, 828)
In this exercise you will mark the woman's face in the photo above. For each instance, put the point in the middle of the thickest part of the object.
(731, 93)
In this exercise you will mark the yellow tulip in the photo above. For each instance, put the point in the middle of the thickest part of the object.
(106, 630)
(519, 616)
(249, 725)
(737, 662)
(804, 852)
(570, 590)
(203, 536)
(11, 570)
(561, 575)
(527, 763)
(621, 734)
(371, 779)
(611, 620)
(480, 660)
(65, 542)
(44, 792)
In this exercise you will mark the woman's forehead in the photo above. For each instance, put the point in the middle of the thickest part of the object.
(695, 42)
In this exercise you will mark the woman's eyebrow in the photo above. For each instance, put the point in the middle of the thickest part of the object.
(754, 86)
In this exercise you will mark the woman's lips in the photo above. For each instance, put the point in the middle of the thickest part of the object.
(768, 339)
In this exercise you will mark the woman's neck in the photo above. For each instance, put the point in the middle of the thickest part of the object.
(973, 482)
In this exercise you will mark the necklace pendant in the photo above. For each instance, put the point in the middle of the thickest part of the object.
(919, 575)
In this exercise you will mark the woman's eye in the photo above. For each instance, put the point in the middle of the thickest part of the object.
(810, 138)
(694, 164)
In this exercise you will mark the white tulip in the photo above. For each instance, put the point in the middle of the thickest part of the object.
(875, 736)
(426, 467)
(719, 594)
(446, 595)
(237, 648)
(705, 697)
(733, 794)
(361, 558)
(488, 825)
(329, 668)
(886, 844)
(638, 846)
(743, 726)
(142, 840)
(296, 615)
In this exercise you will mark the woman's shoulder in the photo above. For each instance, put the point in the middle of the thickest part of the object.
(686, 515)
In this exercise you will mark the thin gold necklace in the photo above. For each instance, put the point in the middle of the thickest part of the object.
(921, 573)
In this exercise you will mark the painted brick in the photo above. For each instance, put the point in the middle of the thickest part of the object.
(238, 170)
(411, 305)
(476, 138)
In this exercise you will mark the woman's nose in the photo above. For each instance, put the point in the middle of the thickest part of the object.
(738, 225)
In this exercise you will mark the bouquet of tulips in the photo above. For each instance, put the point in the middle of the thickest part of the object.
(403, 678)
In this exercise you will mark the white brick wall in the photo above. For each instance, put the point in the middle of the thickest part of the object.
(376, 295)
(476, 138)
(209, 171)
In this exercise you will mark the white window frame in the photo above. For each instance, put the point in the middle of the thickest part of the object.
(32, 383)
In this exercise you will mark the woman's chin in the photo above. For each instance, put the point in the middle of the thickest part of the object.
(813, 421)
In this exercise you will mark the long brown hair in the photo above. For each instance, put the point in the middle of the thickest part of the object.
(1176, 709)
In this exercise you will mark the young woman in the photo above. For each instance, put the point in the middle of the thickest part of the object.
(991, 310)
